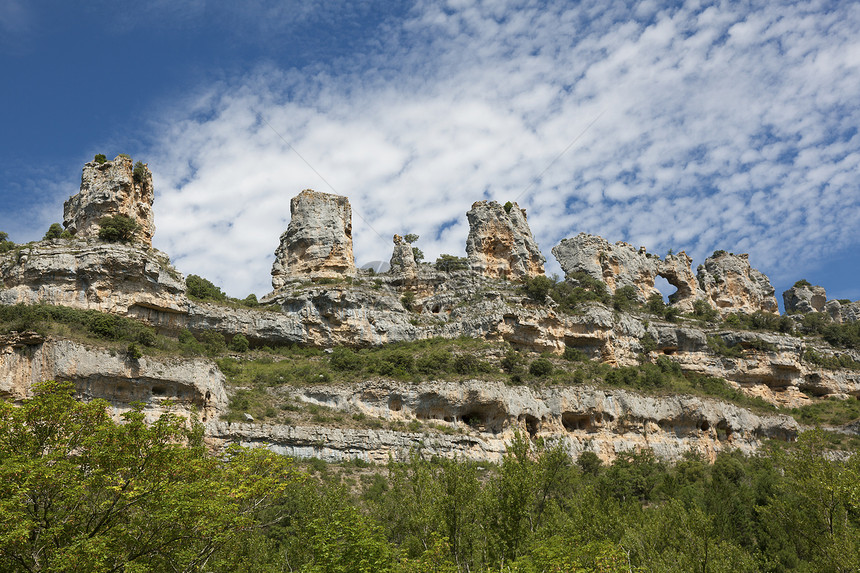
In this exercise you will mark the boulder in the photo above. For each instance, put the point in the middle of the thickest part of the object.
(318, 240)
(500, 243)
(108, 189)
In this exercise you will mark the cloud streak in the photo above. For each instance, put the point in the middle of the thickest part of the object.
(722, 126)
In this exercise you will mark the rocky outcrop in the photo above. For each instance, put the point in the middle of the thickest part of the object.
(112, 188)
(621, 265)
(731, 285)
(318, 240)
(500, 243)
(403, 259)
(181, 385)
(110, 277)
(480, 418)
(804, 298)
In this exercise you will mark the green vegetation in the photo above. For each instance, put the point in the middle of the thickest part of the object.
(202, 289)
(5, 244)
(56, 231)
(802, 283)
(508, 206)
(417, 253)
(538, 288)
(408, 300)
(139, 172)
(100, 158)
(139, 497)
(118, 229)
(81, 492)
(831, 362)
(830, 411)
(450, 263)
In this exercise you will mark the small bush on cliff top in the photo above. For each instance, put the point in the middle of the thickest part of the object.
(450, 263)
(100, 158)
(117, 229)
(139, 172)
(5, 245)
(55, 231)
(203, 289)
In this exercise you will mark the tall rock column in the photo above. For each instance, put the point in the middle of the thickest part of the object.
(108, 189)
(318, 240)
(500, 243)
(403, 258)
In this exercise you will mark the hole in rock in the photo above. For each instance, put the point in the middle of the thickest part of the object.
(665, 288)
(158, 391)
(704, 426)
(572, 421)
(395, 404)
(532, 424)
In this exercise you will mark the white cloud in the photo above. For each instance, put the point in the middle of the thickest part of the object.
(722, 127)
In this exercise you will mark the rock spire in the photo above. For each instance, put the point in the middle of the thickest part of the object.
(500, 243)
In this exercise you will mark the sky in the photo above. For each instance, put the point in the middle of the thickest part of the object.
(691, 126)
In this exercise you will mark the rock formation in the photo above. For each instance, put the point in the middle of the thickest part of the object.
(108, 189)
(500, 243)
(620, 265)
(803, 298)
(403, 259)
(318, 240)
(731, 285)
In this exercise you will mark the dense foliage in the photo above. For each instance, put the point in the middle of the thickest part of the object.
(118, 229)
(80, 492)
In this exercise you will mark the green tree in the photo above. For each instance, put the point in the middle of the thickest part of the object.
(118, 229)
(5, 244)
(55, 231)
(203, 289)
(450, 263)
(100, 158)
(80, 492)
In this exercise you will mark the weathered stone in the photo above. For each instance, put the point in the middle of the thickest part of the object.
(110, 277)
(731, 285)
(403, 259)
(500, 243)
(318, 240)
(620, 265)
(804, 298)
(108, 189)
(185, 385)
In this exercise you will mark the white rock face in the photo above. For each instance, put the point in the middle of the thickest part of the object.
(500, 243)
(403, 259)
(731, 285)
(486, 415)
(805, 298)
(190, 384)
(109, 189)
(620, 265)
(318, 240)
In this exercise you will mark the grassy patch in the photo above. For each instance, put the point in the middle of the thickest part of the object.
(829, 412)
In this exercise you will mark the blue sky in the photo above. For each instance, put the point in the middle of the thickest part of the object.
(688, 125)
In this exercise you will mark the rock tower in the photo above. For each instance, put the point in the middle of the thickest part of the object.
(318, 240)
(500, 243)
(108, 189)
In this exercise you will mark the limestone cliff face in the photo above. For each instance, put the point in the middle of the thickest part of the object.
(731, 285)
(620, 265)
(806, 298)
(500, 243)
(108, 189)
(481, 417)
(110, 277)
(403, 259)
(191, 385)
(318, 240)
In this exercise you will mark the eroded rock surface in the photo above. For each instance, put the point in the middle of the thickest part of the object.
(403, 259)
(500, 243)
(318, 240)
(805, 298)
(482, 417)
(189, 385)
(108, 189)
(732, 285)
(621, 265)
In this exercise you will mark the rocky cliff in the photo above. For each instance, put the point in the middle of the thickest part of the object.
(500, 243)
(318, 240)
(804, 298)
(471, 418)
(112, 188)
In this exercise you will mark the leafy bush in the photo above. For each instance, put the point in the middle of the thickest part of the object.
(625, 298)
(802, 283)
(345, 359)
(214, 342)
(139, 172)
(100, 158)
(55, 231)
(5, 244)
(435, 362)
(408, 300)
(508, 207)
(239, 343)
(468, 364)
(134, 352)
(202, 289)
(512, 363)
(703, 311)
(540, 367)
(117, 229)
(831, 362)
(579, 287)
(655, 304)
(572, 354)
(450, 263)
(251, 301)
(537, 288)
